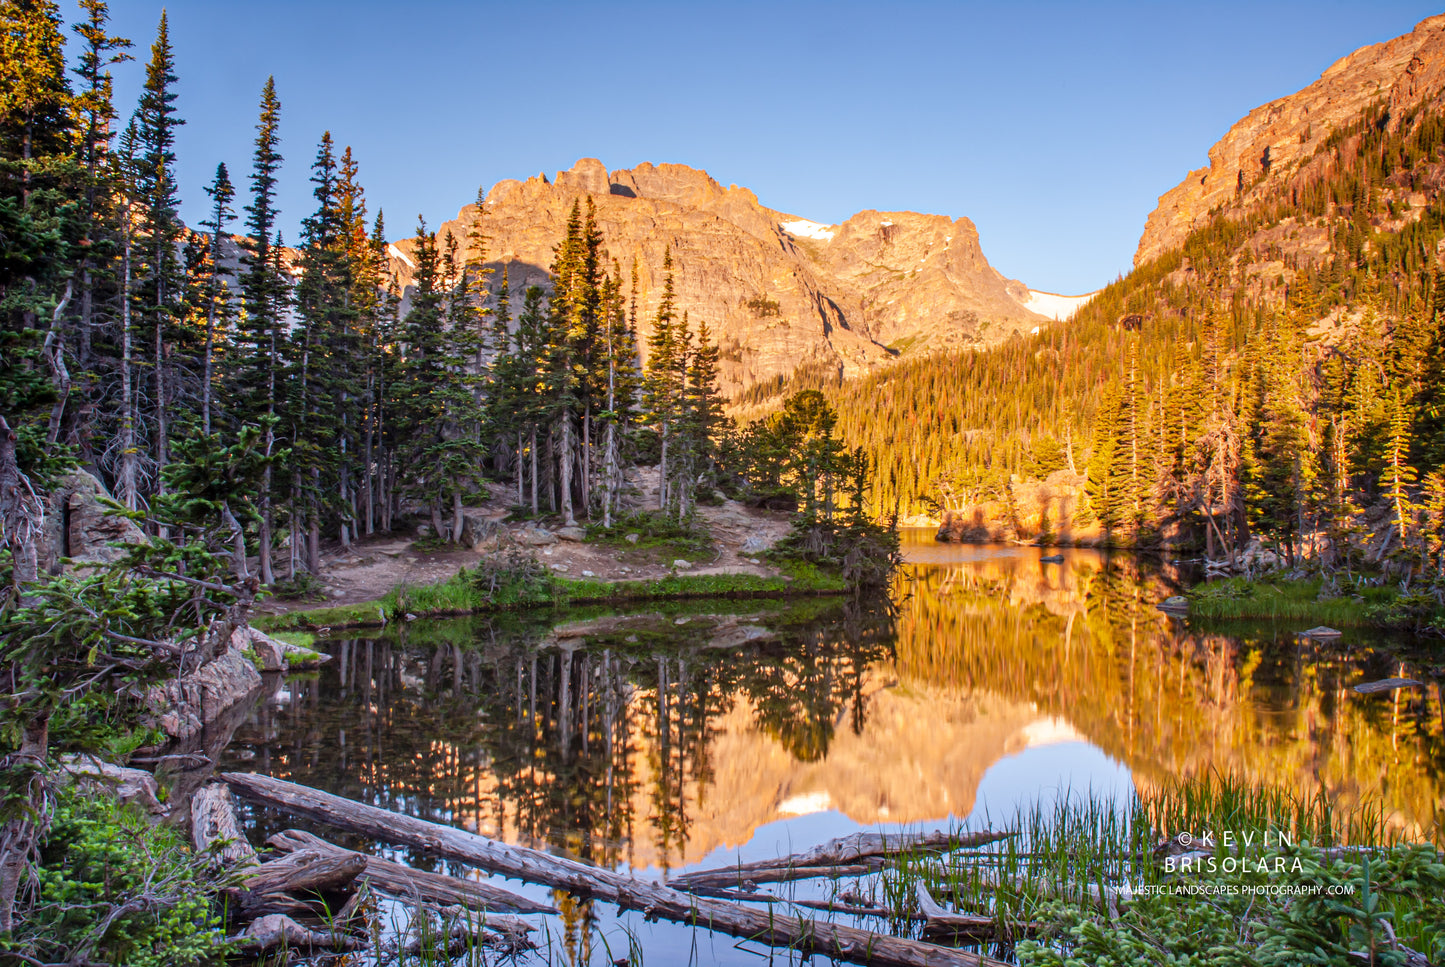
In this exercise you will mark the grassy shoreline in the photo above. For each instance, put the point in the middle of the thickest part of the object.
(1340, 604)
(460, 595)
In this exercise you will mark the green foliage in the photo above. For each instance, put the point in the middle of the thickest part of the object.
(1304, 600)
(114, 888)
(655, 530)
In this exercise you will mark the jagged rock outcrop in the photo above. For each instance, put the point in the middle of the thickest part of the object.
(183, 707)
(1274, 140)
(778, 292)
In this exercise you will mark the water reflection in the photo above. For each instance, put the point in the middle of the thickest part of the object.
(667, 739)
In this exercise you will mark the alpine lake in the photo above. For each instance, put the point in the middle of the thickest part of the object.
(693, 734)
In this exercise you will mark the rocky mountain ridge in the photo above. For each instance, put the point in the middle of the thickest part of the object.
(779, 292)
(1276, 140)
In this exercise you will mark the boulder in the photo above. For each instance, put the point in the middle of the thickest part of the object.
(476, 529)
(681, 565)
(79, 526)
(632, 538)
(574, 534)
(756, 544)
(534, 536)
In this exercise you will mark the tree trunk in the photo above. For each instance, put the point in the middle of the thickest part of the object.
(21, 512)
(128, 494)
(532, 447)
(568, 470)
(59, 373)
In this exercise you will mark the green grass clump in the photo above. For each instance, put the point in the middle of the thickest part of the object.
(659, 536)
(1088, 874)
(480, 591)
(301, 639)
(1283, 600)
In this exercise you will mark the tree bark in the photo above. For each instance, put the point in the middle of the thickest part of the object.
(416, 885)
(804, 935)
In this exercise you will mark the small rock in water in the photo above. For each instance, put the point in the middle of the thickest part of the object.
(411, 617)
(1177, 603)
(681, 565)
(588, 574)
(632, 538)
(1321, 632)
(1052, 559)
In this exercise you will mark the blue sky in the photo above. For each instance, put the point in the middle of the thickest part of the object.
(1053, 126)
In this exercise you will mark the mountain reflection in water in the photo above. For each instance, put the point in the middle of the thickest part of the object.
(990, 680)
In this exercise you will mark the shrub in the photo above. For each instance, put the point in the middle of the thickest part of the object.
(114, 888)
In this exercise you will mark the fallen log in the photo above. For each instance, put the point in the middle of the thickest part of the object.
(857, 846)
(403, 882)
(276, 931)
(655, 901)
(306, 871)
(216, 829)
(746, 879)
(938, 921)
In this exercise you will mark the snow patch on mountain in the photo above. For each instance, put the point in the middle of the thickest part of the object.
(397, 253)
(802, 228)
(1057, 307)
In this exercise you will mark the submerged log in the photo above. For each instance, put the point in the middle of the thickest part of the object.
(938, 921)
(655, 901)
(748, 879)
(403, 882)
(835, 858)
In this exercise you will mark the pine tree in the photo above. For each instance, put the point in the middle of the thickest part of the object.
(218, 301)
(159, 275)
(261, 333)
(661, 389)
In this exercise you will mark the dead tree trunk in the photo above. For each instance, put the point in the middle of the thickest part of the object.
(763, 926)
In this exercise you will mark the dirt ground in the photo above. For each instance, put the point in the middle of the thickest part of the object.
(373, 566)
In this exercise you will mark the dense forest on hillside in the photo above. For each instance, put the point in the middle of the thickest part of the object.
(1278, 376)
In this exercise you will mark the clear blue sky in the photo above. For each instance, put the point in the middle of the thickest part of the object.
(1054, 126)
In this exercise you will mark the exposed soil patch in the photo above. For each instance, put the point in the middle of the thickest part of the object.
(373, 566)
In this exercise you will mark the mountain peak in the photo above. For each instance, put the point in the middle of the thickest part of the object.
(1275, 139)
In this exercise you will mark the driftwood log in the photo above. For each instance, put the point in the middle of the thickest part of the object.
(216, 828)
(655, 901)
(405, 883)
(939, 922)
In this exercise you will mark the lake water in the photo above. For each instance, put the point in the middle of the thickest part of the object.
(682, 737)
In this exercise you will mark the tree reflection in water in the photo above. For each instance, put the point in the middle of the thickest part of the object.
(650, 740)
(565, 743)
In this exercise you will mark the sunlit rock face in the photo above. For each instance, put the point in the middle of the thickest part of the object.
(778, 292)
(1274, 141)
